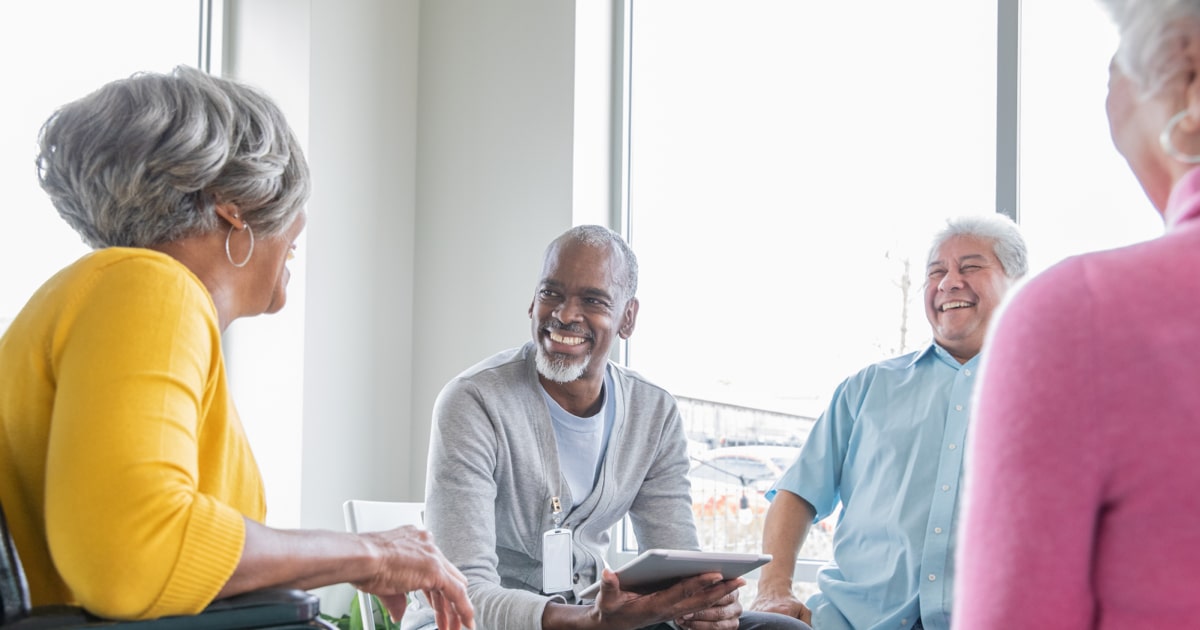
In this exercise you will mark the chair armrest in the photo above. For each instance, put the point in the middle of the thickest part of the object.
(268, 608)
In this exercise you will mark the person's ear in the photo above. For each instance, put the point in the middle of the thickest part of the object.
(628, 318)
(531, 302)
(232, 214)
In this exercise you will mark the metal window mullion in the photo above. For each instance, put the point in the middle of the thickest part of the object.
(1008, 108)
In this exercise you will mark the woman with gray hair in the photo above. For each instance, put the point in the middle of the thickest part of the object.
(126, 475)
(1082, 509)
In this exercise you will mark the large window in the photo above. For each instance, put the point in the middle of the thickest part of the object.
(1077, 193)
(54, 51)
(792, 159)
(788, 163)
(58, 50)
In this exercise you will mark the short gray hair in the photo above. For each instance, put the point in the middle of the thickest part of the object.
(145, 160)
(1151, 32)
(1007, 243)
(600, 236)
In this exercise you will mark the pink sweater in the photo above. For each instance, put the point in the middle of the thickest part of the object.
(1083, 478)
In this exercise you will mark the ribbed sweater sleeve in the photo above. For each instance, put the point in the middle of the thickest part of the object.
(129, 525)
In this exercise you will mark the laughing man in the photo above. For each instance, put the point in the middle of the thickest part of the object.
(889, 449)
(553, 436)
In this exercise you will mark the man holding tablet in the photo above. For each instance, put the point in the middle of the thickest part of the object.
(889, 450)
(538, 451)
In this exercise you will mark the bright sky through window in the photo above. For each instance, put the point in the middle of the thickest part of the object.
(53, 51)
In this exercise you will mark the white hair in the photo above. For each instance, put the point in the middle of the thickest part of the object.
(1007, 243)
(600, 236)
(1153, 34)
(145, 160)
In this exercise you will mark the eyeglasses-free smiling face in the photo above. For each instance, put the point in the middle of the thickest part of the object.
(578, 311)
(964, 284)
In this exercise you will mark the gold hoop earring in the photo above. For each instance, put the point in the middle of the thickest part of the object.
(248, 254)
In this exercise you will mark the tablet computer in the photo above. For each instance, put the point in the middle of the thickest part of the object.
(656, 569)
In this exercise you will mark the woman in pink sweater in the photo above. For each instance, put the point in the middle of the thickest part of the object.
(1084, 475)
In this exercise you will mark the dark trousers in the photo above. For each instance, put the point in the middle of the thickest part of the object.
(756, 621)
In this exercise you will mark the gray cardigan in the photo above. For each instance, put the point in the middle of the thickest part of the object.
(493, 467)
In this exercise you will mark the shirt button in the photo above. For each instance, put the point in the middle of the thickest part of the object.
(945, 487)
(953, 446)
(932, 577)
(958, 407)
(904, 623)
(967, 372)
(937, 530)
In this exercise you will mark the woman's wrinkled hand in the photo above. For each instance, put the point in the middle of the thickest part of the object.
(408, 560)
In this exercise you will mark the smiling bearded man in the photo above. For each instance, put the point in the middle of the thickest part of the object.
(587, 288)
(889, 450)
(538, 451)
(559, 367)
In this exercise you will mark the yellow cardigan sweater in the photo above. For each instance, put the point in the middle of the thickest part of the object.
(124, 468)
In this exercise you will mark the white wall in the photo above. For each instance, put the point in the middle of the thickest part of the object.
(440, 142)
(358, 339)
(494, 182)
(442, 139)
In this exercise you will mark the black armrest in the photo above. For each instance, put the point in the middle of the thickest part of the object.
(274, 608)
(269, 608)
(258, 609)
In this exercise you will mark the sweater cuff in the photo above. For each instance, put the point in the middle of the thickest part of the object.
(502, 608)
(212, 548)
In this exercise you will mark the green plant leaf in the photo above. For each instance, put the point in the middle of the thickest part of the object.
(355, 617)
(352, 620)
(342, 623)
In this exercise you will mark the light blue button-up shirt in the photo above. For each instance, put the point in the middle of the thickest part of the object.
(890, 449)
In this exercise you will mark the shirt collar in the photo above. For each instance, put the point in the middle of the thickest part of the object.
(919, 355)
(942, 354)
(1184, 202)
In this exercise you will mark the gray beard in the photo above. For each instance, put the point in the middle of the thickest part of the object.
(558, 370)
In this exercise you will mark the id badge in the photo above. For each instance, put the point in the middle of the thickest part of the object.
(557, 561)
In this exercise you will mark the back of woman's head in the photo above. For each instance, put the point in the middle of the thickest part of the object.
(1152, 33)
(143, 161)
